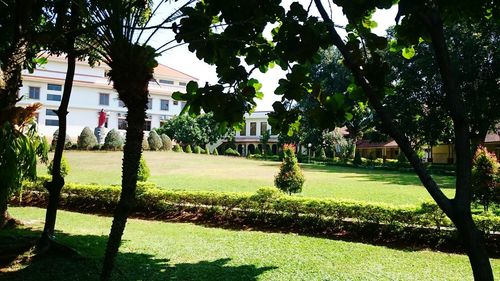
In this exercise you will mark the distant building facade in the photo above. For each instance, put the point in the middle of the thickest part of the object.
(248, 139)
(92, 92)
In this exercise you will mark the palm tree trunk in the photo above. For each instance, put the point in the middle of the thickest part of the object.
(131, 157)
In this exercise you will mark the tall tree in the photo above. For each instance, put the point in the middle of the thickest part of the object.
(19, 24)
(297, 40)
(124, 31)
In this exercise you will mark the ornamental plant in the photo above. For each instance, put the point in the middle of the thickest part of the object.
(113, 140)
(188, 149)
(177, 148)
(154, 141)
(166, 142)
(67, 141)
(485, 183)
(143, 173)
(290, 178)
(87, 139)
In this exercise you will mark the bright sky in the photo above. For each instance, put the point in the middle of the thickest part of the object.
(183, 60)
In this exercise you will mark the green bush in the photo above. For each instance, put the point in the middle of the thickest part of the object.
(484, 177)
(207, 149)
(64, 167)
(67, 142)
(216, 152)
(113, 140)
(87, 139)
(265, 206)
(154, 141)
(143, 172)
(166, 142)
(177, 148)
(231, 152)
(197, 149)
(290, 178)
(188, 149)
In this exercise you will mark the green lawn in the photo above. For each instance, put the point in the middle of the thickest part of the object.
(181, 251)
(206, 172)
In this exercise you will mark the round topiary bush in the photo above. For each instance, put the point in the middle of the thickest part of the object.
(67, 142)
(87, 139)
(113, 140)
(143, 172)
(198, 150)
(290, 178)
(166, 142)
(188, 149)
(64, 167)
(154, 141)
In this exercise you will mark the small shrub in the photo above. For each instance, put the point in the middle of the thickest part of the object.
(197, 149)
(216, 152)
(113, 140)
(67, 142)
(188, 149)
(231, 152)
(64, 167)
(290, 178)
(154, 141)
(87, 139)
(357, 159)
(145, 144)
(177, 148)
(484, 177)
(166, 142)
(207, 149)
(143, 172)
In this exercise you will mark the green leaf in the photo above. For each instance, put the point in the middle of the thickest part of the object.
(177, 95)
(408, 53)
(191, 87)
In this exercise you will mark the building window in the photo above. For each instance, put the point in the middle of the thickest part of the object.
(34, 93)
(182, 83)
(243, 131)
(51, 122)
(167, 82)
(103, 99)
(50, 112)
(147, 125)
(176, 102)
(122, 123)
(164, 105)
(150, 104)
(121, 104)
(263, 128)
(253, 128)
(53, 97)
(54, 87)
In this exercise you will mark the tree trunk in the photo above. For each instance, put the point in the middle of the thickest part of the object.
(131, 157)
(55, 186)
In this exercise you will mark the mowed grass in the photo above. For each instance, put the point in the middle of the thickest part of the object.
(180, 251)
(221, 173)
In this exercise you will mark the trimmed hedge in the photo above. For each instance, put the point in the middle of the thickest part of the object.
(267, 205)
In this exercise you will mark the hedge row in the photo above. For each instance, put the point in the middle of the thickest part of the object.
(265, 204)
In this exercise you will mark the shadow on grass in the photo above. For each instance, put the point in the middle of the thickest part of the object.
(129, 266)
(391, 177)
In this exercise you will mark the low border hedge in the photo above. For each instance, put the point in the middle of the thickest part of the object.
(264, 203)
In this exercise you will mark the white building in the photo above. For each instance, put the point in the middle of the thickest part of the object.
(93, 92)
(248, 139)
